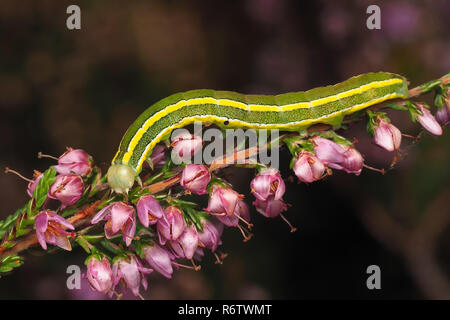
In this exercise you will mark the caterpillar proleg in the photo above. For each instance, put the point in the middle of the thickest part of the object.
(288, 112)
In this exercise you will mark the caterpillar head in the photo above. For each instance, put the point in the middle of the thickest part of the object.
(121, 178)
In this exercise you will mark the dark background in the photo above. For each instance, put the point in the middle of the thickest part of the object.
(84, 88)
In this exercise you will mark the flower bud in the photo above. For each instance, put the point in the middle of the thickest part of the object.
(427, 120)
(99, 274)
(67, 188)
(149, 210)
(387, 135)
(172, 226)
(353, 162)
(195, 178)
(443, 114)
(159, 259)
(308, 168)
(268, 183)
(158, 156)
(74, 161)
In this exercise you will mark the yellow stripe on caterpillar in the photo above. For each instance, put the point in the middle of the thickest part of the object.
(253, 107)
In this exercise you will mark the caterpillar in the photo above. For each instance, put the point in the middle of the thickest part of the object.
(289, 112)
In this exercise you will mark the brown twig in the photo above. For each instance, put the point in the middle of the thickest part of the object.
(417, 91)
(31, 239)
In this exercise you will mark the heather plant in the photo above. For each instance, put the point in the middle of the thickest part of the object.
(158, 226)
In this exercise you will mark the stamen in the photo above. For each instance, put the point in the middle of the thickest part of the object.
(242, 230)
(382, 170)
(41, 155)
(398, 156)
(8, 170)
(183, 266)
(119, 296)
(218, 214)
(218, 260)
(140, 296)
(201, 244)
(293, 229)
(249, 225)
(223, 255)
(415, 138)
(274, 186)
(196, 268)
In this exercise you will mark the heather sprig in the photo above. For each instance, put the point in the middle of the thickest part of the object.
(158, 225)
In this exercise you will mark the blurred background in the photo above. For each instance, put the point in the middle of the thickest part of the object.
(83, 88)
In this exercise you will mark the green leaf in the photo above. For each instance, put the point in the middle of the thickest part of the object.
(6, 224)
(427, 87)
(195, 217)
(8, 263)
(413, 111)
(41, 191)
(111, 247)
(31, 212)
(84, 243)
(8, 244)
(22, 232)
(396, 106)
(439, 100)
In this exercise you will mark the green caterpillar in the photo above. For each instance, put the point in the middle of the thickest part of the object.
(289, 112)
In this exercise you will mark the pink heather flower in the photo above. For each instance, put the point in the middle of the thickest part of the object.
(338, 156)
(427, 121)
(223, 201)
(99, 274)
(308, 168)
(353, 162)
(130, 269)
(199, 254)
(172, 226)
(185, 145)
(50, 229)
(210, 236)
(33, 184)
(268, 183)
(75, 161)
(241, 210)
(195, 178)
(186, 245)
(387, 135)
(120, 217)
(149, 210)
(328, 151)
(270, 208)
(158, 156)
(443, 114)
(67, 188)
(159, 259)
